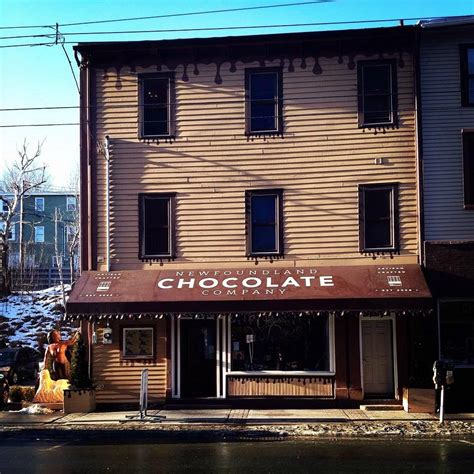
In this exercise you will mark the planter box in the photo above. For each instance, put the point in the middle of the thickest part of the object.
(419, 400)
(79, 400)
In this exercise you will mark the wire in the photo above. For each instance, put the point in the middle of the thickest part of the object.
(171, 15)
(28, 44)
(221, 28)
(208, 12)
(229, 119)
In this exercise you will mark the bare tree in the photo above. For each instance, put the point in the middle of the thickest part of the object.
(22, 178)
(73, 225)
(58, 251)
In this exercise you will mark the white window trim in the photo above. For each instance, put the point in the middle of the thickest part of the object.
(37, 227)
(39, 208)
(71, 203)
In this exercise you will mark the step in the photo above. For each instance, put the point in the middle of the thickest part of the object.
(382, 407)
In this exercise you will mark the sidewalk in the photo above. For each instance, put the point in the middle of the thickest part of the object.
(227, 416)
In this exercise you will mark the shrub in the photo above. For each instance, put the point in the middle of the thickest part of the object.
(19, 394)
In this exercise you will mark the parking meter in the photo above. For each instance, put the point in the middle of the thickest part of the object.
(439, 374)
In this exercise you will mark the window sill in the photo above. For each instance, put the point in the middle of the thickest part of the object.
(382, 249)
(279, 373)
(263, 132)
(380, 124)
(151, 137)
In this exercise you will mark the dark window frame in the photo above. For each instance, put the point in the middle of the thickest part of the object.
(279, 216)
(279, 105)
(171, 105)
(122, 329)
(360, 92)
(468, 167)
(464, 71)
(171, 225)
(394, 221)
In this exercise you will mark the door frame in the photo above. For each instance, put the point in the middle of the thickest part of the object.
(222, 353)
(392, 318)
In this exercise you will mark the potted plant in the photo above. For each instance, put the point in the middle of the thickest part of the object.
(80, 397)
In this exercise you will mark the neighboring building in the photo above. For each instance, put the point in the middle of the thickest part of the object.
(447, 103)
(39, 232)
(249, 220)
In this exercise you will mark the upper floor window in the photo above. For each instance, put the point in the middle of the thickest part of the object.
(71, 203)
(39, 234)
(264, 100)
(4, 206)
(156, 236)
(468, 168)
(467, 75)
(11, 232)
(39, 204)
(377, 92)
(156, 105)
(378, 215)
(264, 222)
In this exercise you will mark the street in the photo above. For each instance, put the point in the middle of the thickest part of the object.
(86, 454)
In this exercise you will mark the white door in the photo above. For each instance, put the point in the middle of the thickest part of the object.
(377, 357)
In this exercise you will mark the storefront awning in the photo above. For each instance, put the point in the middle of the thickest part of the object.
(362, 287)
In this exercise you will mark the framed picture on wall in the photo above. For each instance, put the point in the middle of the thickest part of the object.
(138, 343)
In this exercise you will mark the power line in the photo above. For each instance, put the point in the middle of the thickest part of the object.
(221, 28)
(234, 118)
(172, 15)
(208, 12)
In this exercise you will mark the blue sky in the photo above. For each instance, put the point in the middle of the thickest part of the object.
(41, 77)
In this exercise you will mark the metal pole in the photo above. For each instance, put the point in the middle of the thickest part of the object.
(441, 406)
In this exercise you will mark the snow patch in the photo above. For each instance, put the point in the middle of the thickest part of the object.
(26, 318)
(34, 410)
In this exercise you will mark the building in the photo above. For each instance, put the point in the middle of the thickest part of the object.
(249, 217)
(447, 103)
(41, 220)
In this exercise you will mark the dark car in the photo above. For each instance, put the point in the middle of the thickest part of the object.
(19, 363)
(4, 390)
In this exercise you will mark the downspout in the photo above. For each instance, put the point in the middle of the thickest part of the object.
(107, 201)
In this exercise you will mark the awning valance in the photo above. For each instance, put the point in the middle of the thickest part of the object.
(361, 287)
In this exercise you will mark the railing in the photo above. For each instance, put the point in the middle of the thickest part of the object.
(38, 278)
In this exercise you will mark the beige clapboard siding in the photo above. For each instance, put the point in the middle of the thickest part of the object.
(119, 380)
(319, 163)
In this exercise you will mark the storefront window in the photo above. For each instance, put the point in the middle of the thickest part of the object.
(285, 343)
(456, 321)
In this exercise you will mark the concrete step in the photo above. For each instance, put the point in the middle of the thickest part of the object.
(382, 407)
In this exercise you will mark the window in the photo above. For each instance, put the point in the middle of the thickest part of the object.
(137, 343)
(11, 232)
(264, 100)
(4, 206)
(70, 234)
(377, 92)
(467, 75)
(378, 217)
(456, 327)
(282, 342)
(39, 234)
(468, 168)
(156, 105)
(156, 234)
(39, 204)
(71, 203)
(264, 222)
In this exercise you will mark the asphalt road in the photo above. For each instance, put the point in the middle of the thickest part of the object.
(95, 455)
